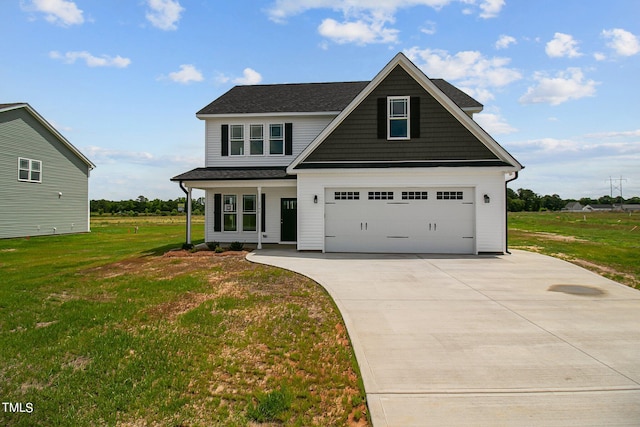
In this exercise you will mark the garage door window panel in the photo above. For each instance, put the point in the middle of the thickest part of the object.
(380, 195)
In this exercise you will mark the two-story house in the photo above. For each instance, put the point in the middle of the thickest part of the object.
(44, 179)
(395, 164)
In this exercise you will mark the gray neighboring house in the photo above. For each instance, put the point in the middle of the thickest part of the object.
(44, 179)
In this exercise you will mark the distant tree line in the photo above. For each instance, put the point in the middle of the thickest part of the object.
(143, 206)
(527, 200)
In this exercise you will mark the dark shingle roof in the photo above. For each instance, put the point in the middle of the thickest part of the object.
(285, 98)
(307, 98)
(13, 104)
(461, 99)
(217, 173)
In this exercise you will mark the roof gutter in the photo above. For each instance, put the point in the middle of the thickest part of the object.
(506, 212)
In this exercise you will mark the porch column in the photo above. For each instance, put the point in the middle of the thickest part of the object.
(259, 217)
(189, 216)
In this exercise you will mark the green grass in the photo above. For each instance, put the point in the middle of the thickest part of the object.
(102, 329)
(605, 242)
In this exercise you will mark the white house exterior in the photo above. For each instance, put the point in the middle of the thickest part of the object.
(396, 164)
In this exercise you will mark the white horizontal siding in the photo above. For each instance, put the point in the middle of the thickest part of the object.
(272, 223)
(489, 217)
(305, 129)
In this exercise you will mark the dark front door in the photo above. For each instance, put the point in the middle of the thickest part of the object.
(288, 220)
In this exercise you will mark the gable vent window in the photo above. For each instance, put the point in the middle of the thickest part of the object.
(346, 195)
(398, 115)
(29, 170)
(415, 195)
(380, 195)
(449, 195)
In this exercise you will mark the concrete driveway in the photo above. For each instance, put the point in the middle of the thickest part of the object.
(521, 339)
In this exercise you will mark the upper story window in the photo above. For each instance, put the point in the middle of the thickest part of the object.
(276, 139)
(398, 116)
(236, 140)
(29, 170)
(256, 140)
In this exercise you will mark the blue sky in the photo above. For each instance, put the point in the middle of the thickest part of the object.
(123, 79)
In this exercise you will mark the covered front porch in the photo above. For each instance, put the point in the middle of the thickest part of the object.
(248, 205)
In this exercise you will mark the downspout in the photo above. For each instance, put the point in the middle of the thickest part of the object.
(506, 213)
(188, 194)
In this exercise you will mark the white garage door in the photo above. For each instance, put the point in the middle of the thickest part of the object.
(401, 220)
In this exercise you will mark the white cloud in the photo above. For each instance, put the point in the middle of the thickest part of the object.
(164, 14)
(505, 41)
(622, 42)
(365, 21)
(565, 86)
(429, 28)
(562, 45)
(599, 56)
(494, 124)
(187, 74)
(359, 32)
(59, 12)
(470, 69)
(491, 8)
(615, 134)
(249, 77)
(90, 60)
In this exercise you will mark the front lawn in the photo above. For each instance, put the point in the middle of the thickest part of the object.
(108, 328)
(605, 242)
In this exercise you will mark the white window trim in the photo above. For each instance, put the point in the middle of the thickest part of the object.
(254, 213)
(30, 170)
(244, 139)
(251, 140)
(389, 118)
(234, 212)
(283, 140)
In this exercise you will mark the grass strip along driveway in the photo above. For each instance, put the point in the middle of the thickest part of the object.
(108, 328)
(607, 243)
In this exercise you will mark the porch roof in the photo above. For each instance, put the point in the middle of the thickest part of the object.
(238, 173)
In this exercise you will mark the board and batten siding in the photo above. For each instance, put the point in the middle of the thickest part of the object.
(33, 209)
(305, 129)
(489, 217)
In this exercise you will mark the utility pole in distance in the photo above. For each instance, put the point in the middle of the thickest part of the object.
(619, 186)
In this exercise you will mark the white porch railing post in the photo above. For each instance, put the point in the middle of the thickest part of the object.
(259, 218)
(189, 216)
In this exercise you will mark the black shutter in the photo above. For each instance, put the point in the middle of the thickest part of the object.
(382, 118)
(217, 212)
(288, 139)
(263, 213)
(224, 140)
(414, 105)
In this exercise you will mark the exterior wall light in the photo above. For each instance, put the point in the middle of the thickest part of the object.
(487, 199)
(315, 198)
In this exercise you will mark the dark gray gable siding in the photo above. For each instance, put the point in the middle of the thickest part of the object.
(442, 136)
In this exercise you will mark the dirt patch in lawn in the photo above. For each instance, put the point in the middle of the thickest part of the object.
(558, 237)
